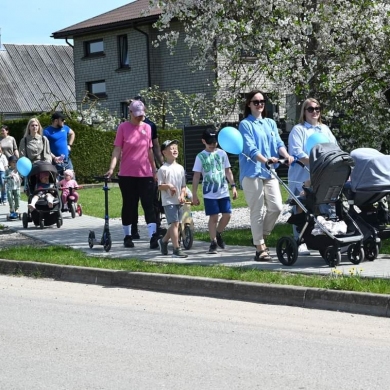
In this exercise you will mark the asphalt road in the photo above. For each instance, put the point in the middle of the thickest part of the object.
(75, 336)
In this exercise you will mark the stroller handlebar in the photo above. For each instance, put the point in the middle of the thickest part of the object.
(279, 161)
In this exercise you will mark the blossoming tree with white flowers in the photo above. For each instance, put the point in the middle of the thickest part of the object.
(337, 51)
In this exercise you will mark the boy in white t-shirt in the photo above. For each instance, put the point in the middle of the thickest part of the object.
(214, 165)
(172, 185)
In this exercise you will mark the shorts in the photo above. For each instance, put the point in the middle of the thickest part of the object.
(173, 213)
(216, 206)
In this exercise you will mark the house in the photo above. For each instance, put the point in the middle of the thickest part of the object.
(34, 79)
(114, 58)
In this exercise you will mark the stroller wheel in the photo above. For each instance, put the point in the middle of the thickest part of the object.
(41, 222)
(25, 220)
(188, 237)
(287, 250)
(355, 253)
(371, 249)
(332, 256)
(59, 220)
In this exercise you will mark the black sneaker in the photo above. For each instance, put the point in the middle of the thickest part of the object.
(154, 241)
(128, 242)
(179, 253)
(213, 248)
(163, 246)
(220, 242)
(135, 235)
(135, 232)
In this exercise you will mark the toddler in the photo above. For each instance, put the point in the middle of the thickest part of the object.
(42, 184)
(65, 184)
(13, 181)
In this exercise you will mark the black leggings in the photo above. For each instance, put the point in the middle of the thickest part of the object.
(133, 189)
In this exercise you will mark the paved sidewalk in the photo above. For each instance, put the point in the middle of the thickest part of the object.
(74, 233)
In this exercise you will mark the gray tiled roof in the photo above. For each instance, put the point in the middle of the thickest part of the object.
(34, 77)
(117, 18)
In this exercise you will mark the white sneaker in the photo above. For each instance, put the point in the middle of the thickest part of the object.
(303, 251)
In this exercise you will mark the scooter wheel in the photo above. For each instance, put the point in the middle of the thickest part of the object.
(107, 242)
(91, 239)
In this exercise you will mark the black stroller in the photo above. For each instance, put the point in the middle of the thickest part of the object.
(330, 168)
(367, 190)
(42, 215)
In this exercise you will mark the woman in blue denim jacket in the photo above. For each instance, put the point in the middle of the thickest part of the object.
(262, 144)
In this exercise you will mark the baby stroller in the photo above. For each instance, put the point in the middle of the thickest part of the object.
(367, 190)
(43, 215)
(329, 170)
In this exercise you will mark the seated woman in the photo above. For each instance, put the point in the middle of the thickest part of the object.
(42, 186)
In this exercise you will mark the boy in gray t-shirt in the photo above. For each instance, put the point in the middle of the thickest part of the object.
(172, 184)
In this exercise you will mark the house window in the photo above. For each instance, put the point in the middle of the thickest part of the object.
(249, 55)
(94, 48)
(124, 110)
(97, 89)
(123, 52)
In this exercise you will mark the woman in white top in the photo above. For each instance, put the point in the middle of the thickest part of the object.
(309, 123)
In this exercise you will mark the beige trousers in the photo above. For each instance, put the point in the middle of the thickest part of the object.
(258, 193)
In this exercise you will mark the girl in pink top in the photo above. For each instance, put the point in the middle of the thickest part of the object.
(137, 171)
(65, 184)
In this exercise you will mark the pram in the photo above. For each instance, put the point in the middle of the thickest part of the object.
(368, 188)
(330, 168)
(43, 215)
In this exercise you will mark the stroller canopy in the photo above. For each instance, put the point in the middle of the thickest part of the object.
(371, 172)
(37, 168)
(43, 166)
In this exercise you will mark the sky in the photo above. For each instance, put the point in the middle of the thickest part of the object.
(33, 22)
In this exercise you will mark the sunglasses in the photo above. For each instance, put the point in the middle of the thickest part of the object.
(312, 109)
(258, 102)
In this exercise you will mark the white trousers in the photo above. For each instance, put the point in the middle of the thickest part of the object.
(258, 193)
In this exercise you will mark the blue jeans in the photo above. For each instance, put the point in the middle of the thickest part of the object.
(61, 167)
(3, 187)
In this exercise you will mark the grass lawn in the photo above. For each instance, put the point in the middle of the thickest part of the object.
(92, 201)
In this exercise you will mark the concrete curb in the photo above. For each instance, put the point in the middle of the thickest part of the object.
(313, 298)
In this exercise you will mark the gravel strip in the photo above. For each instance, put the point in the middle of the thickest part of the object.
(239, 219)
(10, 238)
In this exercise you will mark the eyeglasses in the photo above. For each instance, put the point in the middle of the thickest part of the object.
(258, 102)
(312, 109)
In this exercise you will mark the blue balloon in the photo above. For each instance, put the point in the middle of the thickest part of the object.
(24, 166)
(230, 139)
(315, 139)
